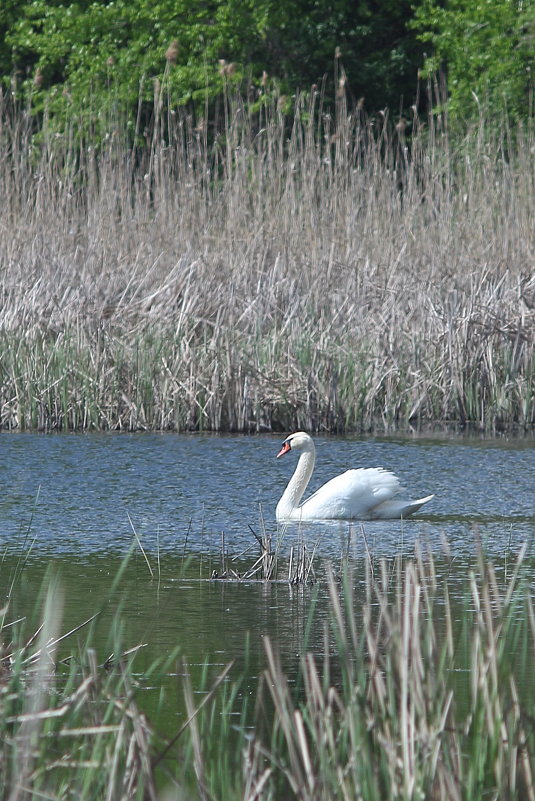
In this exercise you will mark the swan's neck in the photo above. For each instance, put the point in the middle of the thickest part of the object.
(293, 493)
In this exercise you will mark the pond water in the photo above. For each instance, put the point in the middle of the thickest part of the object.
(86, 494)
(80, 502)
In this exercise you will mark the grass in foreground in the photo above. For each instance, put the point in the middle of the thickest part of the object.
(409, 700)
(69, 728)
(331, 274)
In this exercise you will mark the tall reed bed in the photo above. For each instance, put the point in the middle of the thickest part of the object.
(320, 271)
(413, 696)
(407, 700)
(70, 727)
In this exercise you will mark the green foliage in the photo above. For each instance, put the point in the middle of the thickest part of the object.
(486, 49)
(87, 55)
(90, 57)
(114, 51)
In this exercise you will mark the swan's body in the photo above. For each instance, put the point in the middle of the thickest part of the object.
(363, 494)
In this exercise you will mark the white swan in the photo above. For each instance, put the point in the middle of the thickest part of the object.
(364, 494)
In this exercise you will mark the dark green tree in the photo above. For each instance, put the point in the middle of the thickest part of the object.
(101, 53)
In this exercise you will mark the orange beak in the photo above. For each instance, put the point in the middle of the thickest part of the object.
(285, 448)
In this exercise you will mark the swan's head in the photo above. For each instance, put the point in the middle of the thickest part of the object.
(296, 442)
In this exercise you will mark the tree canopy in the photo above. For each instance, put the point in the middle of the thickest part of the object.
(89, 53)
(113, 46)
(486, 49)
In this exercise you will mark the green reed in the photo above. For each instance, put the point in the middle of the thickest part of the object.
(321, 272)
(407, 701)
(69, 727)
(421, 690)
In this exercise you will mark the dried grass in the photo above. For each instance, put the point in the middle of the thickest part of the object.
(404, 700)
(388, 718)
(320, 273)
(69, 730)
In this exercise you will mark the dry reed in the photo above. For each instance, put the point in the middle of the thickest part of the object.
(409, 697)
(69, 728)
(324, 274)
(416, 704)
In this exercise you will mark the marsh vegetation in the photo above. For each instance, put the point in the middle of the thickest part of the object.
(407, 700)
(312, 270)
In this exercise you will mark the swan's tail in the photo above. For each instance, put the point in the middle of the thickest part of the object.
(398, 508)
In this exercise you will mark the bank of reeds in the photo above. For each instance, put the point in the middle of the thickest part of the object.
(406, 701)
(69, 728)
(322, 272)
(412, 697)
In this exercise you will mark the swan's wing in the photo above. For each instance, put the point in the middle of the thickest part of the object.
(353, 494)
(398, 507)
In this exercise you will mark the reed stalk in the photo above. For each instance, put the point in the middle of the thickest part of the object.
(69, 728)
(412, 697)
(407, 702)
(329, 274)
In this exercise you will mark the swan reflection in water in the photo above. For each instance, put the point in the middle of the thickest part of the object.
(370, 493)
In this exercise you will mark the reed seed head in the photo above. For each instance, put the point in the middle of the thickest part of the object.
(171, 54)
